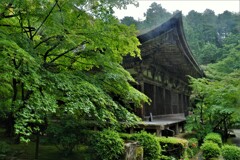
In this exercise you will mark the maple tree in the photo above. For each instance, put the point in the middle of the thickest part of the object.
(64, 57)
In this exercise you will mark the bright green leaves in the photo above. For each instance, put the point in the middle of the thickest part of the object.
(217, 98)
(64, 58)
(228, 65)
(216, 94)
(85, 95)
(155, 15)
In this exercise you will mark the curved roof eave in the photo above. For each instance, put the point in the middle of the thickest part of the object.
(174, 22)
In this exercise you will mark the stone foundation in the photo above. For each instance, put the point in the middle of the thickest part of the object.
(133, 151)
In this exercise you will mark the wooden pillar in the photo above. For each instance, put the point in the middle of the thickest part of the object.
(164, 102)
(171, 101)
(183, 129)
(185, 104)
(154, 100)
(159, 131)
(181, 103)
(177, 128)
(142, 108)
(188, 104)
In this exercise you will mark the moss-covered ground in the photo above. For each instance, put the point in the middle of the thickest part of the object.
(26, 151)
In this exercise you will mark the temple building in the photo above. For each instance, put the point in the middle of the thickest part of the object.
(162, 74)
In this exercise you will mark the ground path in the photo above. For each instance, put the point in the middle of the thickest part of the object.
(236, 140)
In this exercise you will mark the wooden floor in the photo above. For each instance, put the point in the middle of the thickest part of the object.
(162, 123)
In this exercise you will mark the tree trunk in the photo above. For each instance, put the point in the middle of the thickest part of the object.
(9, 125)
(225, 136)
(37, 145)
(10, 119)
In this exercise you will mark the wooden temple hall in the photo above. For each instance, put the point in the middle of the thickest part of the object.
(162, 74)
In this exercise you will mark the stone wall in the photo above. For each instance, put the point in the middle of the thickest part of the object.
(133, 151)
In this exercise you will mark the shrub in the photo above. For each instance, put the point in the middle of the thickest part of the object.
(172, 146)
(197, 128)
(126, 136)
(230, 152)
(4, 147)
(193, 142)
(189, 153)
(193, 145)
(151, 147)
(214, 137)
(107, 145)
(65, 135)
(210, 150)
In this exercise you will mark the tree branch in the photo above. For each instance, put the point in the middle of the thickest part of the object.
(2, 15)
(8, 25)
(15, 89)
(62, 54)
(49, 50)
(21, 23)
(60, 9)
(47, 39)
(75, 59)
(45, 19)
(15, 63)
(8, 16)
(30, 31)
(221, 120)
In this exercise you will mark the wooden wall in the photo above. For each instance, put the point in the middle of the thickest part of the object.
(164, 101)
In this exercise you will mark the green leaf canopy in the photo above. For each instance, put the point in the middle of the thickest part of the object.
(64, 57)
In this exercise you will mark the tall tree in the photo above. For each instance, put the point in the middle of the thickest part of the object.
(64, 57)
(208, 54)
(155, 15)
(129, 21)
(228, 22)
(209, 26)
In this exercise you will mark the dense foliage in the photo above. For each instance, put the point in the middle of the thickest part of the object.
(155, 15)
(216, 101)
(4, 148)
(213, 137)
(173, 147)
(216, 98)
(107, 145)
(210, 150)
(67, 133)
(61, 58)
(230, 152)
(192, 149)
(151, 147)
